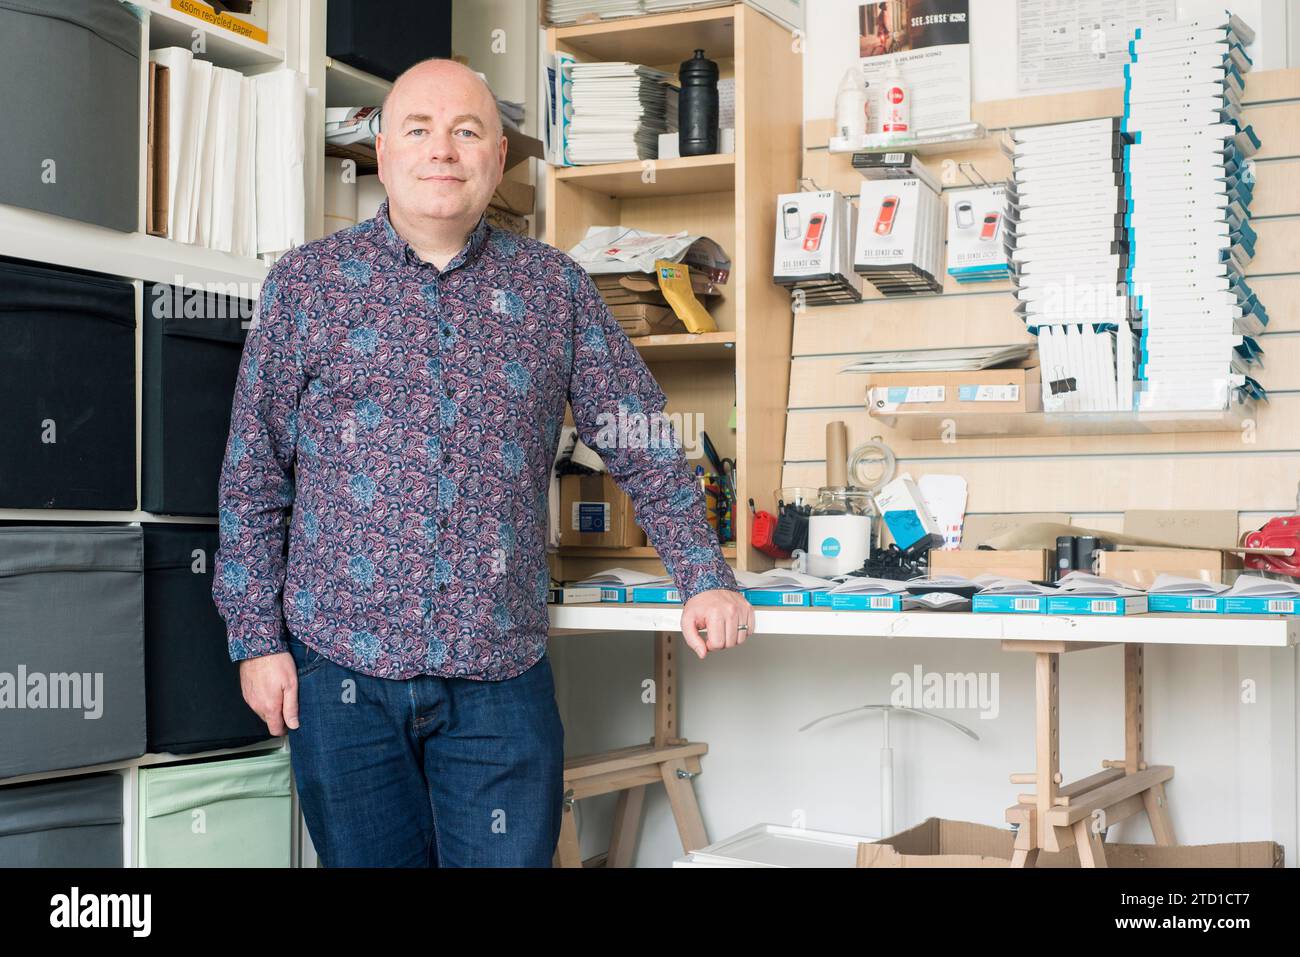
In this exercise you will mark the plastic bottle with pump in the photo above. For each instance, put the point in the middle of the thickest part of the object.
(851, 106)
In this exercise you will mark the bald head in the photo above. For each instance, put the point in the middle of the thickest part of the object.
(457, 79)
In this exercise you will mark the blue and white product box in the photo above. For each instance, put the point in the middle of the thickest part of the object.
(1093, 605)
(857, 602)
(1010, 604)
(1259, 606)
(782, 599)
(906, 515)
(659, 594)
(1183, 604)
(614, 593)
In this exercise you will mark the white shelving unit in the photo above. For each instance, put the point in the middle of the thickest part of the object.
(296, 40)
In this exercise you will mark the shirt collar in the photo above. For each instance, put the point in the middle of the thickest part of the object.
(400, 248)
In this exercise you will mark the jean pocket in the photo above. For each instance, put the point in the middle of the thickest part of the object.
(306, 659)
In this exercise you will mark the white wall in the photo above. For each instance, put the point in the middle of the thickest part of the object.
(1235, 764)
(832, 44)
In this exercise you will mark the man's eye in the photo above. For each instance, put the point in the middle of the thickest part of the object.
(470, 132)
(418, 129)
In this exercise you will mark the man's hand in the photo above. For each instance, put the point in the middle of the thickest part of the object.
(724, 613)
(270, 686)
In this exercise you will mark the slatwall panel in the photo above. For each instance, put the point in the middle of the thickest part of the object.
(1094, 478)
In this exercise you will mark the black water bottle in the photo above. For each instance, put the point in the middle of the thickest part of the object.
(697, 107)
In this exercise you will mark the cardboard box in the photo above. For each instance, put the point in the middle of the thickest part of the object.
(1030, 564)
(594, 511)
(984, 390)
(940, 843)
(978, 529)
(1140, 569)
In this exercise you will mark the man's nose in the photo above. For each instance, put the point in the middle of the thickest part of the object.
(441, 147)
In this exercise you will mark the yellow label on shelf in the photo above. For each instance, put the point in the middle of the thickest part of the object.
(201, 11)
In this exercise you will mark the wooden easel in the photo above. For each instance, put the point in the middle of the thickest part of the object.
(667, 758)
(1057, 816)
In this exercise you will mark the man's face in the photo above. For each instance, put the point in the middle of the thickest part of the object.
(439, 153)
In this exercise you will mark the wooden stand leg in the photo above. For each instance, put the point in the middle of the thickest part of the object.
(1157, 808)
(627, 823)
(1092, 851)
(686, 812)
(1048, 738)
(567, 853)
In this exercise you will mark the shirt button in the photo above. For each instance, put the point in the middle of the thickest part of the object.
(442, 586)
(450, 392)
(446, 456)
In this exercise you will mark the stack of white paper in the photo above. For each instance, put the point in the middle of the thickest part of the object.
(863, 585)
(568, 11)
(1177, 585)
(998, 585)
(625, 577)
(960, 359)
(782, 579)
(1189, 225)
(1252, 586)
(618, 112)
(235, 156)
(1094, 586)
(1068, 252)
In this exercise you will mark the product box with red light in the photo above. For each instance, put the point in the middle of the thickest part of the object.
(814, 244)
(899, 246)
(976, 250)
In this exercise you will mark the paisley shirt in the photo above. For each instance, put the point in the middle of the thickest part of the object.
(404, 419)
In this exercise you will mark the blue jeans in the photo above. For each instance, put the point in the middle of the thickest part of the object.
(427, 771)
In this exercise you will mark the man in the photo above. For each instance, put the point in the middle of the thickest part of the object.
(400, 400)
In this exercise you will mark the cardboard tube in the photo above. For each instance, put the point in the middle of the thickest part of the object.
(837, 454)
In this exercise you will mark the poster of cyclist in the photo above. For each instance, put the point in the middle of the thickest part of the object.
(928, 43)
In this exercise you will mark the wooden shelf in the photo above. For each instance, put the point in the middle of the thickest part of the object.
(682, 176)
(653, 40)
(644, 551)
(933, 425)
(678, 346)
(172, 28)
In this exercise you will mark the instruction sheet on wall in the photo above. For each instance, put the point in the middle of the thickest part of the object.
(1079, 44)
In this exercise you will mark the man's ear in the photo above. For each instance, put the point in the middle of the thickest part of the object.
(379, 156)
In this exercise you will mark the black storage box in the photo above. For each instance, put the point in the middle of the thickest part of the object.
(67, 822)
(192, 346)
(384, 39)
(72, 648)
(194, 700)
(70, 71)
(67, 387)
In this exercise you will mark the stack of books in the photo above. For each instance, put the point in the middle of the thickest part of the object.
(1189, 225)
(619, 110)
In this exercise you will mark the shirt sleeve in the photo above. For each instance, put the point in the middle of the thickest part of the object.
(618, 410)
(257, 481)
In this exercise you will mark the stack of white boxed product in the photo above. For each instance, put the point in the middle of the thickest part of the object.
(1189, 222)
(814, 248)
(1068, 253)
(899, 247)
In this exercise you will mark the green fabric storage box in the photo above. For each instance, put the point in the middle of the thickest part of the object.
(229, 813)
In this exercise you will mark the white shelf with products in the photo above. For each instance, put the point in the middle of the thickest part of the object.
(1258, 631)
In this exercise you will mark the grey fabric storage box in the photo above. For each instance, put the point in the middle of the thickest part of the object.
(70, 71)
(71, 635)
(69, 822)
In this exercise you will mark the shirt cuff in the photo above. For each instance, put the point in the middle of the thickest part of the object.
(255, 639)
(697, 578)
